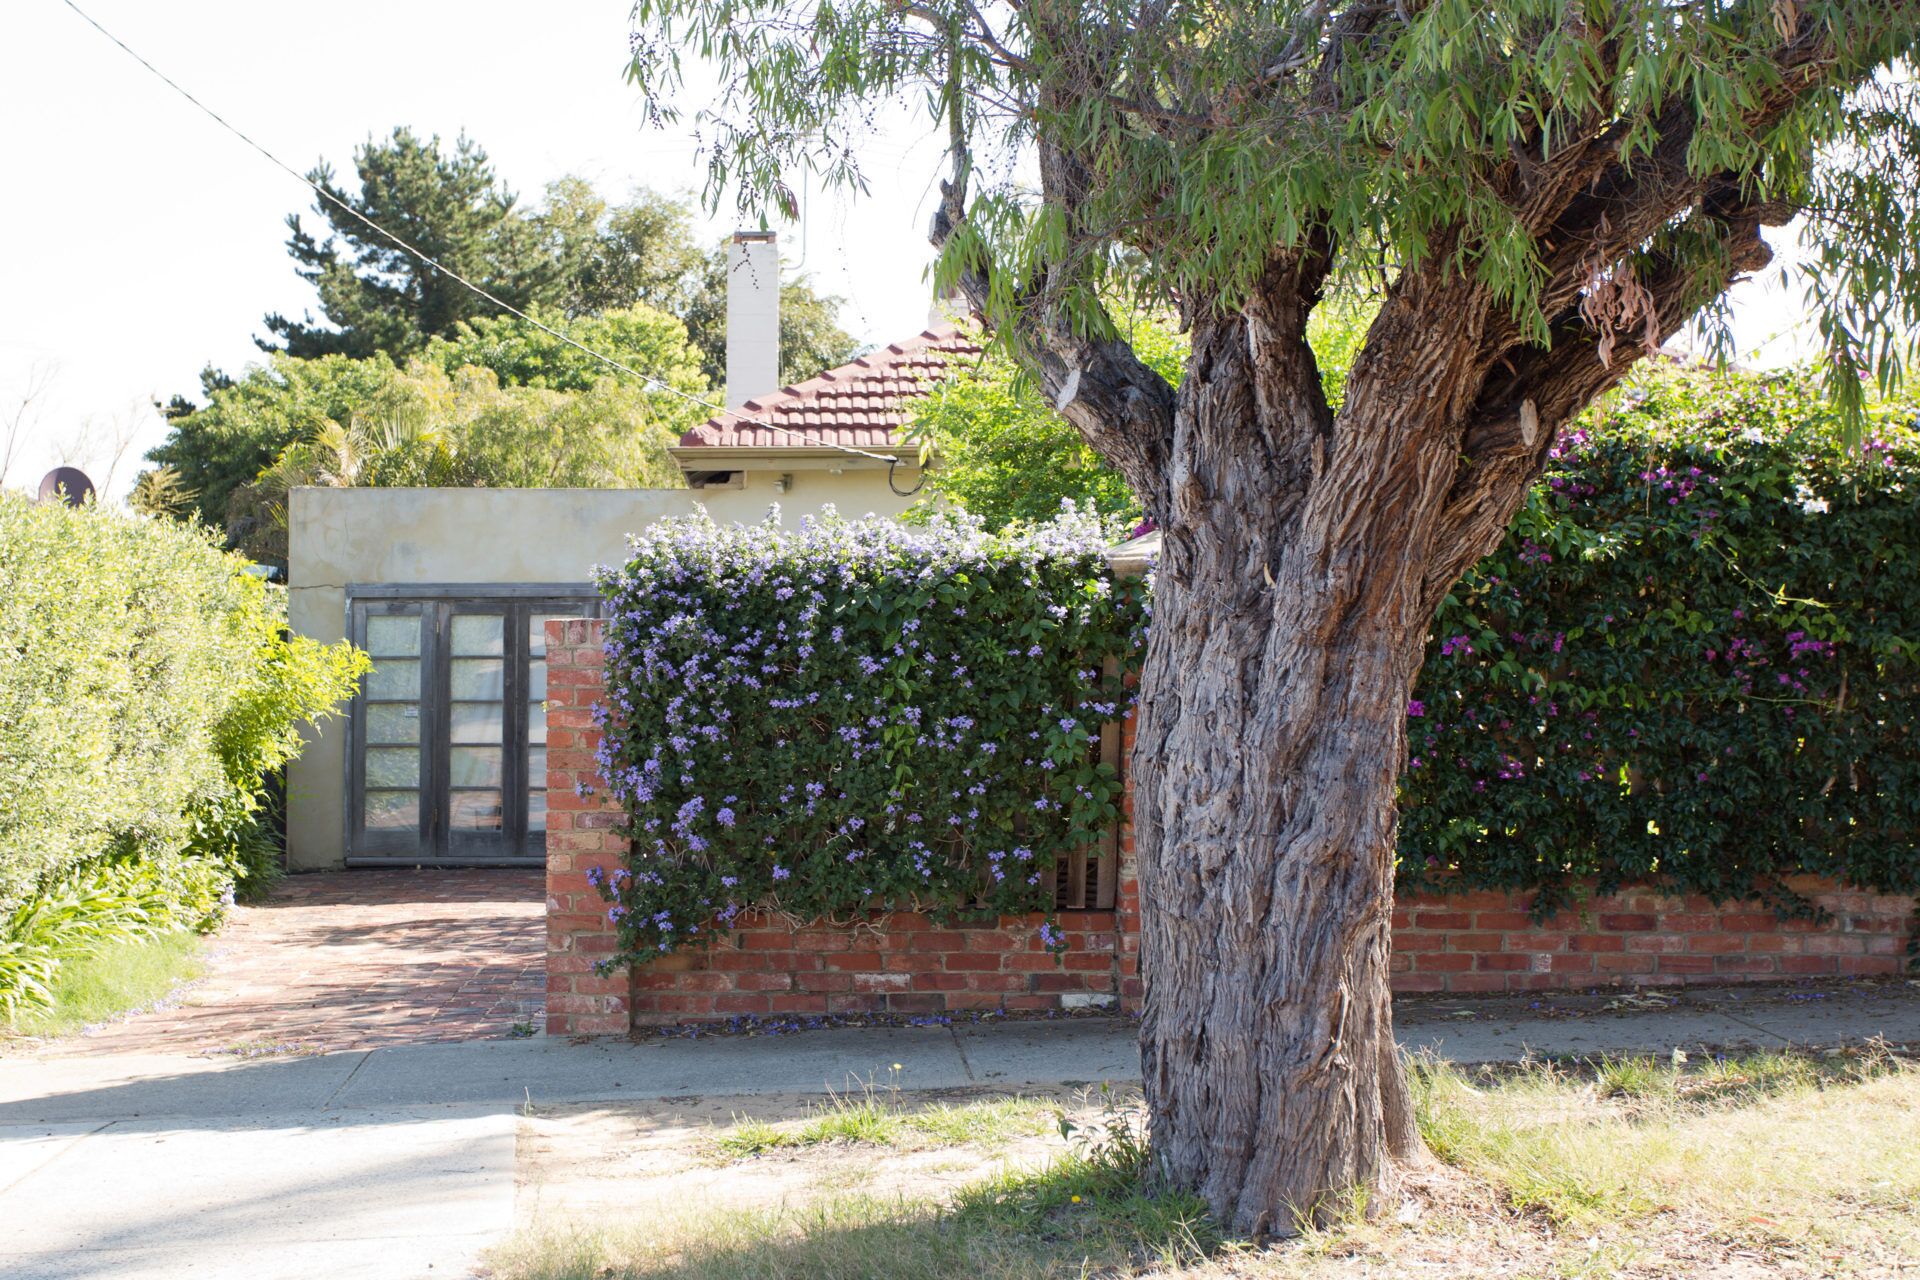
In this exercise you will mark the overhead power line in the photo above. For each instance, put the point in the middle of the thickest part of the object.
(651, 381)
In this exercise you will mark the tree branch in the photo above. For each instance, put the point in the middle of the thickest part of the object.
(1121, 406)
(1588, 198)
(1517, 417)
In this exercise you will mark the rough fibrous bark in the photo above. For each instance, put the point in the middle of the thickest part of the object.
(1289, 623)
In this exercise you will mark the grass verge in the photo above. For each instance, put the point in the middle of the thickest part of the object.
(1629, 1167)
(112, 979)
(877, 1117)
(1819, 1151)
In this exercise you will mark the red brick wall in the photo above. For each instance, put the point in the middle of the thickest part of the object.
(904, 964)
(909, 964)
(1484, 941)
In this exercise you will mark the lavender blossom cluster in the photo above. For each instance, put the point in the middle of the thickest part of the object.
(843, 716)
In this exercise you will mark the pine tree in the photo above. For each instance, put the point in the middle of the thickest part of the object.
(377, 297)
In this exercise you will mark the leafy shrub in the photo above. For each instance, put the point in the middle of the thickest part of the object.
(288, 681)
(96, 904)
(848, 715)
(1694, 661)
(147, 689)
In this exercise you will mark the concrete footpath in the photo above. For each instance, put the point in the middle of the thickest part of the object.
(399, 1161)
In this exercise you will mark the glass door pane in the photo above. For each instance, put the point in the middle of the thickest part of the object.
(479, 821)
(450, 763)
(392, 816)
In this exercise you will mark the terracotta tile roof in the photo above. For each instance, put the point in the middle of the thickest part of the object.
(862, 404)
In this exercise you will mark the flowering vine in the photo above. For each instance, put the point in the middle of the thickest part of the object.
(844, 716)
(1694, 661)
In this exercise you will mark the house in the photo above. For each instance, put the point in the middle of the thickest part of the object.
(441, 759)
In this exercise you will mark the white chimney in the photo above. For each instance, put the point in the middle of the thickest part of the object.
(753, 316)
(950, 307)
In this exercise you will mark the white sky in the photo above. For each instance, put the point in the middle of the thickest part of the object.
(139, 241)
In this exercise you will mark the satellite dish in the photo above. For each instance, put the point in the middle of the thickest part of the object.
(68, 484)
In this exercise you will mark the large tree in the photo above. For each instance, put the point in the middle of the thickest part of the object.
(1536, 191)
(449, 204)
(211, 450)
(573, 252)
(615, 256)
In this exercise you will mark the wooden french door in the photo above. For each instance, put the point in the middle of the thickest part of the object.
(449, 761)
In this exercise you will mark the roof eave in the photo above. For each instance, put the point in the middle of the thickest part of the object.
(736, 457)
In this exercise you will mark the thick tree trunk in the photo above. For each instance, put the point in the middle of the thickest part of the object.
(1290, 614)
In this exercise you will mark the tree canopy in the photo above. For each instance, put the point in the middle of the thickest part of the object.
(573, 253)
(526, 419)
(213, 449)
(652, 343)
(376, 297)
(425, 426)
(630, 280)
(1534, 147)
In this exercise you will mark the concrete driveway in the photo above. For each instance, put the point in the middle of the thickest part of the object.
(353, 959)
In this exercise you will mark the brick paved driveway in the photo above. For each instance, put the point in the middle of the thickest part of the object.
(354, 959)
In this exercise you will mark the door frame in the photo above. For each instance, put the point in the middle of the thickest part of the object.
(437, 603)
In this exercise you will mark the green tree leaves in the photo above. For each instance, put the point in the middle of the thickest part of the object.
(1525, 146)
(575, 255)
(628, 280)
(375, 296)
(245, 424)
(652, 343)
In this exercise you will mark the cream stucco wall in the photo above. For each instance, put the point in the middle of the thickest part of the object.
(361, 537)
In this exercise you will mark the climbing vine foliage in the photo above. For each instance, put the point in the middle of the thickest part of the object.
(1695, 660)
(844, 716)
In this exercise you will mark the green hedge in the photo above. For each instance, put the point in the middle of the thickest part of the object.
(147, 690)
(1695, 661)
